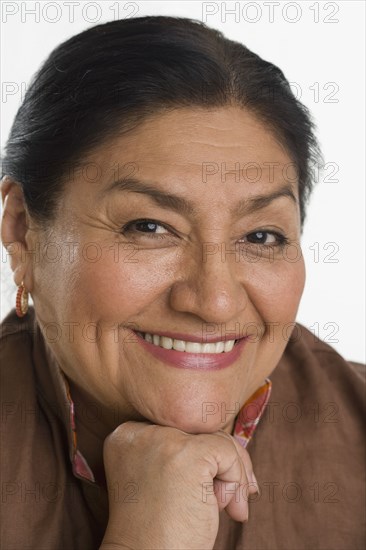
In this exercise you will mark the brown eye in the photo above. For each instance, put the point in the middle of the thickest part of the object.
(145, 226)
(266, 238)
(260, 237)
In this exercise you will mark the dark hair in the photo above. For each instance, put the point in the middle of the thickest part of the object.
(111, 77)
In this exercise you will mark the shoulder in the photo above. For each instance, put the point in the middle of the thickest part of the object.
(35, 458)
(21, 412)
(312, 374)
(308, 451)
(16, 344)
(15, 330)
(306, 350)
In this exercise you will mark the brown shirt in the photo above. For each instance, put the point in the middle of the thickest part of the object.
(308, 453)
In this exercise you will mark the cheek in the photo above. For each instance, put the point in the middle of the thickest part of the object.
(116, 288)
(276, 290)
(279, 306)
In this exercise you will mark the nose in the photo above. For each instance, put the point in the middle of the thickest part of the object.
(209, 287)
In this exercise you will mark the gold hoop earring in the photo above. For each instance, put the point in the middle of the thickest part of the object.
(21, 302)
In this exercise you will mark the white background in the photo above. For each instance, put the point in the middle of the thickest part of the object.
(320, 48)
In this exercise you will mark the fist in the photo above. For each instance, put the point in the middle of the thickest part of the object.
(181, 482)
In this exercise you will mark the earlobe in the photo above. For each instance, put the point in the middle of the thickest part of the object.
(14, 227)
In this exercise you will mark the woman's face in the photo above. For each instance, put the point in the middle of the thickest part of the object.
(205, 262)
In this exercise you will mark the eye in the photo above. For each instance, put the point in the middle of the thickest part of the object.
(267, 238)
(147, 229)
(145, 226)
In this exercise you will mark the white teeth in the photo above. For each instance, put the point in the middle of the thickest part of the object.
(229, 344)
(220, 347)
(166, 342)
(179, 345)
(208, 348)
(189, 347)
(193, 347)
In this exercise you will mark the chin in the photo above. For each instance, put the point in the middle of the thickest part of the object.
(204, 425)
(205, 411)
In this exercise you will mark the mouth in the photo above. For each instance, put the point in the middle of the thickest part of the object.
(165, 342)
(192, 355)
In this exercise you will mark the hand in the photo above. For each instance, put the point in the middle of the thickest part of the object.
(181, 483)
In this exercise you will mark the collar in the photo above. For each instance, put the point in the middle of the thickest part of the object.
(251, 413)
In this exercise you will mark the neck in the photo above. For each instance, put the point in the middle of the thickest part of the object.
(94, 422)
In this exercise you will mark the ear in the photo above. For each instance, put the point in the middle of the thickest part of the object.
(16, 232)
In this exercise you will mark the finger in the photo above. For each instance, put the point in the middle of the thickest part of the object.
(229, 476)
(233, 495)
(253, 486)
(229, 465)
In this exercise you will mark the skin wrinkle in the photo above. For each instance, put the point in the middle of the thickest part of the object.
(169, 287)
(181, 205)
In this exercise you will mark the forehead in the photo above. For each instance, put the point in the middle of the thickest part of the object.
(214, 159)
(191, 141)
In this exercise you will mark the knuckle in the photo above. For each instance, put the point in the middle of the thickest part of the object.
(124, 434)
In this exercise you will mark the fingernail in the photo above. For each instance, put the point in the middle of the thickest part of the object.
(254, 480)
(246, 518)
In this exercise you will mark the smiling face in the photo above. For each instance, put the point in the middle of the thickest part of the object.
(183, 247)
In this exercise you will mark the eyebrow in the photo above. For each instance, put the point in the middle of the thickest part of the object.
(184, 206)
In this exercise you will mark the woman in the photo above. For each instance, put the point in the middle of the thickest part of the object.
(155, 184)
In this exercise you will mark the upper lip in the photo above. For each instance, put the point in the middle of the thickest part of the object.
(195, 337)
